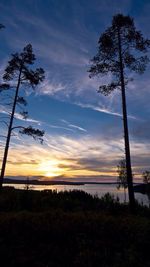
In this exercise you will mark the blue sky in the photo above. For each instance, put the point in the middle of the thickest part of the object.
(84, 134)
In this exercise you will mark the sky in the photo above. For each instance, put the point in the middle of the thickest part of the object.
(83, 129)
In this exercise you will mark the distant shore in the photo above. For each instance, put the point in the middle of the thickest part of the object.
(45, 182)
(52, 182)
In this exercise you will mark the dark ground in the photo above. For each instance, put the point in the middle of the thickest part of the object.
(71, 229)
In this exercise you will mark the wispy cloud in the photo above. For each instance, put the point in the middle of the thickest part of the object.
(73, 157)
(18, 116)
(74, 126)
(64, 52)
(63, 150)
(59, 127)
(51, 86)
(56, 43)
(103, 110)
(77, 127)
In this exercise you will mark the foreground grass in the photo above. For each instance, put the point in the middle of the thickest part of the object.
(46, 229)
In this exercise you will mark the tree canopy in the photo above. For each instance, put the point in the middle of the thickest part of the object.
(122, 33)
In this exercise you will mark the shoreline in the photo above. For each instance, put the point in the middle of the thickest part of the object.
(37, 182)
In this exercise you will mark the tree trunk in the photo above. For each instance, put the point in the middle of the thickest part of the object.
(126, 134)
(9, 132)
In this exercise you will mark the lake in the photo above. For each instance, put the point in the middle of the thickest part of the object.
(93, 189)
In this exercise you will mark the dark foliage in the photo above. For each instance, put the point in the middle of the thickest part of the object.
(107, 58)
(4, 87)
(21, 100)
(122, 174)
(71, 229)
(19, 63)
(16, 200)
(35, 133)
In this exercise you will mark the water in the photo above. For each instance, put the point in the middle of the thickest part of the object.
(93, 189)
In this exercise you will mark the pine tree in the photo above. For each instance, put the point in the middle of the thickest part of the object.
(118, 51)
(18, 75)
(122, 176)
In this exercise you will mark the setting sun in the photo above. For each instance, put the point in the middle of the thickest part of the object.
(50, 168)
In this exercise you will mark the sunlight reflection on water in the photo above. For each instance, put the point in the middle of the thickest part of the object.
(93, 189)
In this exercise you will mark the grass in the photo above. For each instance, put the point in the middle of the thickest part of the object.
(50, 229)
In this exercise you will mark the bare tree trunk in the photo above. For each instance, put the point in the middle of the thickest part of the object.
(126, 134)
(9, 133)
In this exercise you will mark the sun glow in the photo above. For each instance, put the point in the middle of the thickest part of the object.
(50, 168)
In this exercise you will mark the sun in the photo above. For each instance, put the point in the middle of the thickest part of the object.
(50, 168)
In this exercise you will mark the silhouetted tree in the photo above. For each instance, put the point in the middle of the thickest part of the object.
(122, 176)
(146, 177)
(117, 54)
(146, 181)
(18, 74)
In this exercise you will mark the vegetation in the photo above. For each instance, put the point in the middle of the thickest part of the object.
(122, 176)
(118, 51)
(19, 74)
(146, 177)
(71, 229)
(146, 181)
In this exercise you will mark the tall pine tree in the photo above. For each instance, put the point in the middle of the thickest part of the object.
(18, 75)
(121, 49)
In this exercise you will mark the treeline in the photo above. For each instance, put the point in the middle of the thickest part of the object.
(12, 199)
(71, 229)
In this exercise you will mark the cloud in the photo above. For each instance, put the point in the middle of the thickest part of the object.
(66, 126)
(71, 157)
(21, 162)
(51, 87)
(65, 49)
(62, 150)
(59, 127)
(56, 44)
(77, 127)
(74, 126)
(18, 116)
(84, 90)
(103, 110)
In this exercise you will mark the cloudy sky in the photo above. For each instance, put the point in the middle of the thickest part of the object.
(83, 129)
